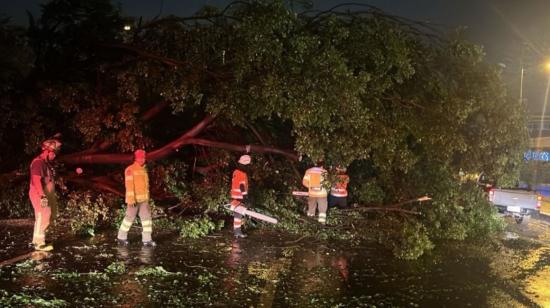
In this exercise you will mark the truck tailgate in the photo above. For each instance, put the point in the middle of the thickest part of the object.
(510, 197)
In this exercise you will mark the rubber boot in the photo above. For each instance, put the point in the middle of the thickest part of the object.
(238, 233)
(150, 243)
(43, 247)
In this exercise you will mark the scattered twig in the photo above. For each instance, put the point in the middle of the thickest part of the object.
(195, 266)
(296, 241)
(16, 259)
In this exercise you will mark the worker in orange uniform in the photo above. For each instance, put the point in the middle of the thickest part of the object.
(137, 199)
(239, 192)
(339, 191)
(42, 192)
(314, 179)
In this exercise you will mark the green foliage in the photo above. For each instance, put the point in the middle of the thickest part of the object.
(174, 180)
(119, 216)
(368, 193)
(211, 192)
(198, 227)
(157, 271)
(412, 242)
(15, 202)
(25, 300)
(195, 227)
(116, 268)
(86, 211)
(288, 212)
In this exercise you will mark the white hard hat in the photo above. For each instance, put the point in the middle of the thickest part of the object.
(52, 145)
(244, 160)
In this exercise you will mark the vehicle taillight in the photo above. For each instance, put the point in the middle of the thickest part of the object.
(491, 195)
(539, 201)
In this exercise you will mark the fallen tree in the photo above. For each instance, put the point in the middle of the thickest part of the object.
(404, 106)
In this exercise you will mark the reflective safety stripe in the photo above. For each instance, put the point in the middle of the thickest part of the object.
(129, 178)
(321, 193)
(236, 190)
(130, 193)
(147, 226)
(142, 196)
(322, 219)
(125, 225)
(324, 215)
(339, 192)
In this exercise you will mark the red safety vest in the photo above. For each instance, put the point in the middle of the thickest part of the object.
(239, 177)
(340, 188)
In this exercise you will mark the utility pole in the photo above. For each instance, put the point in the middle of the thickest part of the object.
(521, 74)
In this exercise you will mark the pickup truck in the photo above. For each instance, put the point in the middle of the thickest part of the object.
(516, 202)
(544, 191)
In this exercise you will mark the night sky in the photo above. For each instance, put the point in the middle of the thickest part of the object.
(506, 28)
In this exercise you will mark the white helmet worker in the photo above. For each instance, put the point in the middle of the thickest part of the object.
(244, 160)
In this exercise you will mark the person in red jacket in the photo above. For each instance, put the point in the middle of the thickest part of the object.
(339, 190)
(42, 192)
(239, 191)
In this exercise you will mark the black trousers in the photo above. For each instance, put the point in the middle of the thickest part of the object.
(339, 202)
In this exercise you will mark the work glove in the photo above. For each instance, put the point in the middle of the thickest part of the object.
(44, 201)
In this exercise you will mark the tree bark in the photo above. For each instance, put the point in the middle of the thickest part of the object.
(187, 138)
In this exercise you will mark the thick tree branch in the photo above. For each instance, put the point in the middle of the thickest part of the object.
(172, 147)
(388, 209)
(153, 111)
(242, 148)
(115, 158)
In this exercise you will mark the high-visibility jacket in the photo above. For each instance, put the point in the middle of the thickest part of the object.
(239, 184)
(340, 188)
(313, 180)
(137, 184)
